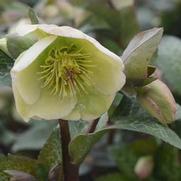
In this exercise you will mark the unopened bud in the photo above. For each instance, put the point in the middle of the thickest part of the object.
(158, 100)
(144, 167)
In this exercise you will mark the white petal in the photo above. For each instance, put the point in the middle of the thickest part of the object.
(91, 106)
(52, 107)
(24, 29)
(66, 31)
(24, 73)
(108, 76)
(21, 106)
(95, 106)
(47, 107)
(74, 115)
(32, 53)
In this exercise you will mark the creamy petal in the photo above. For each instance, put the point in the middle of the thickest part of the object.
(21, 106)
(108, 76)
(52, 107)
(93, 105)
(24, 72)
(74, 115)
(32, 53)
(47, 107)
(66, 31)
(90, 106)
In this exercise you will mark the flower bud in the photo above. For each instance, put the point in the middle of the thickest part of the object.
(158, 100)
(144, 167)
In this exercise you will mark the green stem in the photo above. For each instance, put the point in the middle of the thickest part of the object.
(70, 170)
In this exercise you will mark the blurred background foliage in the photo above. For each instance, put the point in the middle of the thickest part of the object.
(120, 155)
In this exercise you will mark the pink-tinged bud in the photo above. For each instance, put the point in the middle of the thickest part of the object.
(158, 100)
(144, 167)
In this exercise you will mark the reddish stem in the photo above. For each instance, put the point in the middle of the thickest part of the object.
(70, 170)
(93, 125)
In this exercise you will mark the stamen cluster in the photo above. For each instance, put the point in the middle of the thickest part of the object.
(66, 71)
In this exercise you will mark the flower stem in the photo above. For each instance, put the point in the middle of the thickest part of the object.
(93, 125)
(70, 170)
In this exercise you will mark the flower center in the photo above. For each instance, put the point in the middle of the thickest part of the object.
(66, 71)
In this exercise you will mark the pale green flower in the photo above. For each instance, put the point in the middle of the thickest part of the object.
(65, 74)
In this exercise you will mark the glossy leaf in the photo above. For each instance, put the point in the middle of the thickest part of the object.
(51, 155)
(20, 163)
(138, 121)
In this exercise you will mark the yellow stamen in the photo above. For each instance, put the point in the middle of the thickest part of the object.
(66, 71)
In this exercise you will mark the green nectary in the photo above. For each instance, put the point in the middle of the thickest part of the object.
(66, 71)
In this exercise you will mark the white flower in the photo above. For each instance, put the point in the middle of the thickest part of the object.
(65, 74)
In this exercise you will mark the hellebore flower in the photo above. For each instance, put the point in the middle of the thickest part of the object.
(64, 74)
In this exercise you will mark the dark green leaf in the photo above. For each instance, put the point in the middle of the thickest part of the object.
(20, 176)
(138, 121)
(20, 163)
(146, 124)
(51, 154)
(82, 143)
